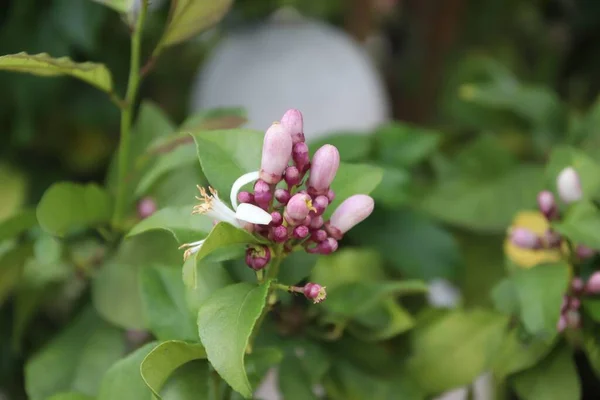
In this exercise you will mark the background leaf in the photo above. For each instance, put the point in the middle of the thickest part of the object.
(353, 179)
(581, 224)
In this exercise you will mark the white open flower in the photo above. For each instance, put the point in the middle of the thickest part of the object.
(213, 207)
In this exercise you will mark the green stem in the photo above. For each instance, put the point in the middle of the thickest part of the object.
(127, 113)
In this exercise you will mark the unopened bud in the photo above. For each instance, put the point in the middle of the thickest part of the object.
(316, 222)
(314, 292)
(569, 185)
(279, 234)
(525, 239)
(146, 207)
(573, 319)
(292, 176)
(282, 196)
(320, 203)
(257, 257)
(562, 323)
(574, 304)
(276, 219)
(292, 121)
(319, 235)
(330, 196)
(300, 156)
(300, 232)
(297, 208)
(245, 197)
(584, 252)
(547, 204)
(593, 284)
(552, 239)
(276, 153)
(324, 166)
(262, 193)
(328, 246)
(351, 212)
(577, 285)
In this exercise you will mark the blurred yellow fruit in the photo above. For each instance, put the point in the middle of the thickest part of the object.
(525, 258)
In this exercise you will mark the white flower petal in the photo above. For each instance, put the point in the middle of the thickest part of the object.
(237, 185)
(253, 214)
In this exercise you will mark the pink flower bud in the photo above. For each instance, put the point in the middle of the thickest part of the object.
(562, 323)
(593, 284)
(257, 257)
(351, 212)
(569, 185)
(276, 219)
(300, 232)
(319, 235)
(565, 304)
(320, 203)
(306, 222)
(297, 209)
(328, 246)
(245, 197)
(524, 238)
(584, 252)
(282, 196)
(574, 304)
(262, 194)
(300, 156)
(315, 292)
(552, 239)
(292, 176)
(146, 207)
(323, 168)
(292, 121)
(573, 319)
(577, 285)
(330, 196)
(316, 222)
(276, 153)
(547, 204)
(279, 234)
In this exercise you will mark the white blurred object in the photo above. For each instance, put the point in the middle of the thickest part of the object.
(294, 62)
(442, 294)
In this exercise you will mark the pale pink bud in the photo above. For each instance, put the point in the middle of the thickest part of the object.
(351, 212)
(316, 222)
(257, 257)
(593, 284)
(306, 222)
(569, 185)
(292, 121)
(320, 203)
(282, 196)
(245, 197)
(300, 156)
(323, 168)
(262, 193)
(297, 208)
(146, 207)
(276, 219)
(292, 176)
(584, 252)
(276, 153)
(547, 204)
(300, 232)
(330, 196)
(525, 239)
(280, 234)
(319, 235)
(562, 323)
(328, 246)
(314, 292)
(575, 303)
(577, 285)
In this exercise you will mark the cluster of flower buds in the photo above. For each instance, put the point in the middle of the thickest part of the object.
(570, 316)
(296, 191)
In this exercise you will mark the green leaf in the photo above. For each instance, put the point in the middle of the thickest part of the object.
(485, 205)
(346, 266)
(260, 361)
(208, 278)
(66, 206)
(164, 359)
(540, 291)
(592, 350)
(224, 235)
(225, 321)
(123, 380)
(17, 224)
(592, 307)
(227, 154)
(44, 65)
(188, 382)
(555, 378)
(12, 262)
(353, 147)
(218, 118)
(403, 145)
(504, 296)
(14, 191)
(587, 169)
(178, 221)
(294, 381)
(164, 304)
(122, 6)
(384, 321)
(76, 359)
(518, 353)
(190, 17)
(70, 396)
(439, 346)
(353, 179)
(581, 224)
(357, 297)
(179, 157)
(395, 188)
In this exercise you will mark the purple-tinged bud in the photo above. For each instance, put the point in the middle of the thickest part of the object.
(279, 234)
(276, 153)
(282, 196)
(565, 304)
(314, 292)
(552, 239)
(300, 156)
(577, 285)
(320, 203)
(569, 185)
(574, 304)
(324, 166)
(292, 176)
(319, 235)
(257, 257)
(146, 207)
(547, 204)
(330, 196)
(292, 121)
(328, 246)
(525, 239)
(306, 222)
(573, 319)
(276, 219)
(562, 324)
(593, 284)
(316, 222)
(297, 209)
(245, 197)
(584, 252)
(262, 193)
(300, 232)
(351, 212)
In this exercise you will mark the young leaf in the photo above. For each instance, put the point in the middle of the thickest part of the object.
(123, 380)
(225, 321)
(164, 359)
(555, 378)
(224, 236)
(164, 304)
(540, 291)
(179, 157)
(581, 224)
(179, 221)
(76, 359)
(190, 17)
(66, 206)
(44, 65)
(17, 224)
